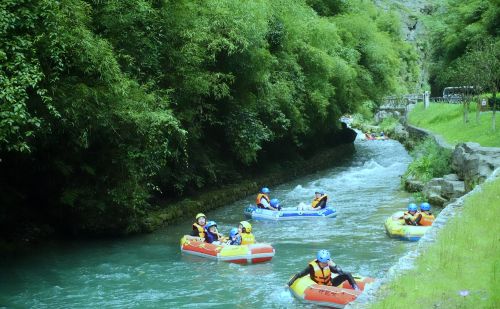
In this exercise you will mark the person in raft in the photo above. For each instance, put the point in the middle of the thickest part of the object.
(199, 226)
(320, 270)
(263, 200)
(275, 203)
(245, 231)
(427, 216)
(412, 216)
(319, 201)
(212, 235)
(234, 237)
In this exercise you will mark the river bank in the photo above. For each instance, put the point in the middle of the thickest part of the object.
(173, 212)
(455, 264)
(468, 236)
(170, 212)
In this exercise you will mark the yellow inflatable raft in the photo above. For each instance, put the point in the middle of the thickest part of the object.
(309, 291)
(397, 228)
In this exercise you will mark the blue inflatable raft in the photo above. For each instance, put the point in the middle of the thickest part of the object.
(288, 213)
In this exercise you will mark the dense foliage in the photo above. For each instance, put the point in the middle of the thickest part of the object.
(106, 104)
(458, 30)
(430, 161)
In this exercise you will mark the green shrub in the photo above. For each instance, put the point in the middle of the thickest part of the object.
(430, 161)
(388, 124)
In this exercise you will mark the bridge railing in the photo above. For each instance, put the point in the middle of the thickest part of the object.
(400, 101)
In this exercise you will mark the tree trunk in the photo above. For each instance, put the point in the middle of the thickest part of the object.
(493, 117)
(466, 111)
(478, 110)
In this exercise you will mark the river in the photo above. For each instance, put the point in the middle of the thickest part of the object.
(149, 271)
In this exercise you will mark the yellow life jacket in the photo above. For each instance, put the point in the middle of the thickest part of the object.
(247, 239)
(427, 219)
(316, 201)
(321, 276)
(411, 218)
(259, 197)
(201, 229)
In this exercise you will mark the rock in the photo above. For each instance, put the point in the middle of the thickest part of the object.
(452, 189)
(400, 133)
(436, 199)
(412, 185)
(346, 135)
(443, 189)
(451, 177)
(474, 163)
(381, 115)
(435, 182)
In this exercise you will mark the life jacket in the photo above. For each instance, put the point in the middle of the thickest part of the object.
(427, 219)
(321, 276)
(211, 237)
(259, 197)
(247, 239)
(413, 218)
(236, 241)
(316, 201)
(200, 229)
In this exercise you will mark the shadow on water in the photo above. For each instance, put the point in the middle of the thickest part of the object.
(149, 271)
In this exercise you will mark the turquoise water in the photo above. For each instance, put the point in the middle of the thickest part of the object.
(149, 271)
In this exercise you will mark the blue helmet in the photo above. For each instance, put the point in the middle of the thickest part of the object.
(425, 206)
(319, 192)
(275, 203)
(412, 207)
(265, 190)
(210, 224)
(323, 256)
(233, 232)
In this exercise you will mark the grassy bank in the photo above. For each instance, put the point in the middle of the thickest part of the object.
(447, 120)
(462, 269)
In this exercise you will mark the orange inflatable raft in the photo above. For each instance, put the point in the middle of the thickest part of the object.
(255, 253)
(332, 296)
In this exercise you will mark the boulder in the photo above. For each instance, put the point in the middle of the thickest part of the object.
(400, 133)
(441, 190)
(451, 177)
(435, 198)
(381, 115)
(452, 189)
(412, 185)
(346, 135)
(474, 163)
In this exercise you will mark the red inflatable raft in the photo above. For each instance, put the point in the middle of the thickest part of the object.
(255, 253)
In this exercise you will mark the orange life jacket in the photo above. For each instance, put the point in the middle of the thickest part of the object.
(427, 219)
(316, 201)
(321, 276)
(201, 229)
(247, 239)
(259, 197)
